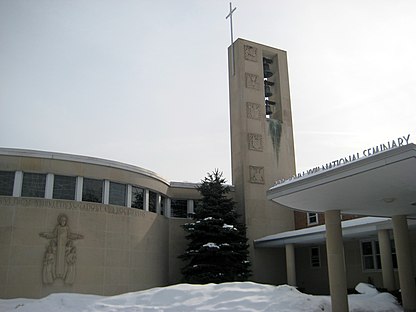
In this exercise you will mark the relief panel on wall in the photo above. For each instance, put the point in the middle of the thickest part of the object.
(253, 111)
(253, 81)
(256, 174)
(61, 255)
(250, 53)
(255, 142)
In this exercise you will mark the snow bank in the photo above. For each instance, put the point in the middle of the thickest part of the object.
(237, 297)
(367, 289)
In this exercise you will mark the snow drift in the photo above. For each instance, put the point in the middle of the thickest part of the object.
(239, 297)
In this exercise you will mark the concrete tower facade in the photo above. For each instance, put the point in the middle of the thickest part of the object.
(262, 145)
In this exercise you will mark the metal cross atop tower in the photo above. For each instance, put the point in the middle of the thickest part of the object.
(230, 15)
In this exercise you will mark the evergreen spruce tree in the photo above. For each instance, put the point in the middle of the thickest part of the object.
(217, 249)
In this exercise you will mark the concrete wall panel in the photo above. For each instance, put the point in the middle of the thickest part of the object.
(118, 245)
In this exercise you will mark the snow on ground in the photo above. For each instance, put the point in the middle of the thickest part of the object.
(238, 297)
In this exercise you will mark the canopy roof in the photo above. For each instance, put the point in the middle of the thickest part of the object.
(362, 228)
(381, 185)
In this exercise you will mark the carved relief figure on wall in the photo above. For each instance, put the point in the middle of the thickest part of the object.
(70, 259)
(48, 271)
(60, 255)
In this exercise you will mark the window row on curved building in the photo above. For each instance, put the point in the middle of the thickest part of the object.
(42, 183)
(55, 186)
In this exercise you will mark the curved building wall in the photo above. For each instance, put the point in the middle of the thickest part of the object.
(121, 250)
(52, 245)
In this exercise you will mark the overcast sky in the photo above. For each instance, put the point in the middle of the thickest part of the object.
(145, 82)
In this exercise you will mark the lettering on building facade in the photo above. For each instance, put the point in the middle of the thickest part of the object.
(401, 141)
(71, 205)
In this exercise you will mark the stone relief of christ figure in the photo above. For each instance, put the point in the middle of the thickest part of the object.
(60, 255)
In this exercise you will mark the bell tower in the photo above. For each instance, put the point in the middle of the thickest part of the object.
(262, 145)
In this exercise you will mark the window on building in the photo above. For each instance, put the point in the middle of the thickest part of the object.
(162, 205)
(315, 257)
(92, 190)
(370, 252)
(152, 201)
(117, 194)
(393, 254)
(179, 208)
(64, 187)
(6, 183)
(33, 185)
(312, 218)
(137, 197)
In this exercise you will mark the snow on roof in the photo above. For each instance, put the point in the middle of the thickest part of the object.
(317, 233)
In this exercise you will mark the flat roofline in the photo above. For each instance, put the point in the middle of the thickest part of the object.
(265, 46)
(184, 184)
(81, 159)
(354, 228)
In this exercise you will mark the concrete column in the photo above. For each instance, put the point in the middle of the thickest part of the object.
(128, 199)
(290, 264)
(49, 185)
(386, 260)
(146, 200)
(404, 262)
(17, 187)
(106, 193)
(78, 188)
(158, 203)
(189, 208)
(167, 208)
(336, 261)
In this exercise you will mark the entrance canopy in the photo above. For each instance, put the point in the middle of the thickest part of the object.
(382, 185)
(360, 228)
